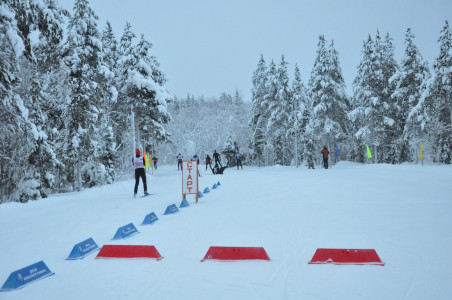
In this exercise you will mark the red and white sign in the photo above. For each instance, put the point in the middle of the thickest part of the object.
(190, 177)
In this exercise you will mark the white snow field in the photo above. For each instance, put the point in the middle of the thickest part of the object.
(404, 212)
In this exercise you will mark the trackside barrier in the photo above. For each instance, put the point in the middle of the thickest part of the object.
(82, 249)
(184, 203)
(346, 257)
(129, 251)
(235, 253)
(214, 186)
(206, 190)
(150, 219)
(171, 209)
(218, 183)
(20, 278)
(125, 232)
(200, 195)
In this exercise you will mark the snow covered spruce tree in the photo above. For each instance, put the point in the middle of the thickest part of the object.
(372, 106)
(391, 149)
(228, 150)
(142, 96)
(108, 92)
(280, 105)
(13, 119)
(329, 99)
(30, 32)
(435, 105)
(408, 82)
(271, 90)
(260, 114)
(299, 117)
(82, 55)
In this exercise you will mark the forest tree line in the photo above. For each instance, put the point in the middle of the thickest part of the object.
(394, 107)
(76, 102)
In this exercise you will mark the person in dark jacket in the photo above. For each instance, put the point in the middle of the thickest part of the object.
(179, 161)
(217, 170)
(155, 160)
(216, 158)
(196, 158)
(238, 157)
(139, 162)
(325, 153)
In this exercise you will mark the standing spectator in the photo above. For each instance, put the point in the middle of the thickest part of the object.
(139, 162)
(208, 161)
(325, 153)
(216, 157)
(196, 158)
(179, 161)
(155, 160)
(239, 160)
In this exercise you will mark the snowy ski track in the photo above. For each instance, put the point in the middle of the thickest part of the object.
(403, 212)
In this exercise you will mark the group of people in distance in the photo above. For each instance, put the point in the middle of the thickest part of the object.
(218, 168)
(139, 162)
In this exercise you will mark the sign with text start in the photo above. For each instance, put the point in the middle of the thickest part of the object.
(189, 177)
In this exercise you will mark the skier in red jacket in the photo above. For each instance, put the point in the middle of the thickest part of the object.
(325, 153)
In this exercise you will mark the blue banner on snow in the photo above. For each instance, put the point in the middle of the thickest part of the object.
(171, 209)
(125, 232)
(200, 195)
(214, 186)
(184, 203)
(218, 183)
(82, 249)
(149, 219)
(206, 190)
(20, 278)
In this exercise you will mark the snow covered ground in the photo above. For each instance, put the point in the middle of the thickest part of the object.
(404, 212)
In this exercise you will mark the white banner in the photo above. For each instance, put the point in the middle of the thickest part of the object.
(190, 177)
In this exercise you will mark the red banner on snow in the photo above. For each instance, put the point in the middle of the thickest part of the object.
(128, 251)
(346, 257)
(235, 253)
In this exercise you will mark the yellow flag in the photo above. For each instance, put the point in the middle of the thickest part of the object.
(421, 156)
(369, 155)
(147, 161)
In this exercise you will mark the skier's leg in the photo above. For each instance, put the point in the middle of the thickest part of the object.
(143, 178)
(137, 181)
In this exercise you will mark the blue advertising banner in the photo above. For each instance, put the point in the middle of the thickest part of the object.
(171, 209)
(20, 278)
(125, 232)
(82, 249)
(184, 203)
(149, 219)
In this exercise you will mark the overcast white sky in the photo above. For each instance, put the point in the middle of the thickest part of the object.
(206, 47)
